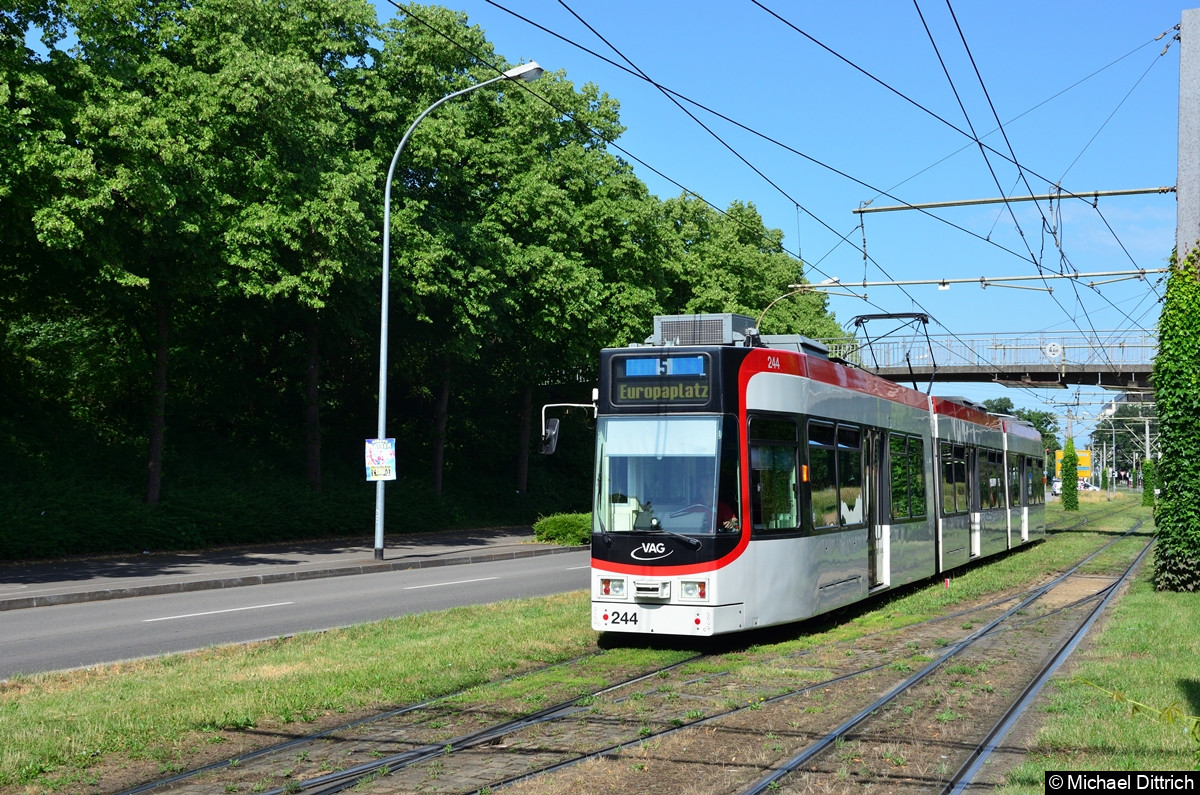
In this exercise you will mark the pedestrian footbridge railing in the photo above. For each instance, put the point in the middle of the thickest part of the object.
(1003, 356)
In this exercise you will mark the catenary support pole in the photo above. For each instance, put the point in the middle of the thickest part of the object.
(1187, 194)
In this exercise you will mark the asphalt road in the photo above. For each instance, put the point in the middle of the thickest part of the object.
(80, 635)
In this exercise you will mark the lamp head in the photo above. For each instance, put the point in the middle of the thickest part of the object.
(526, 71)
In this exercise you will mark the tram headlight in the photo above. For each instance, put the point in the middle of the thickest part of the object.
(694, 589)
(612, 586)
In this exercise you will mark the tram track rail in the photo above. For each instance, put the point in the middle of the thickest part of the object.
(983, 748)
(970, 769)
(202, 779)
(610, 727)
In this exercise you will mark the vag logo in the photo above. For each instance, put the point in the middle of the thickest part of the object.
(650, 551)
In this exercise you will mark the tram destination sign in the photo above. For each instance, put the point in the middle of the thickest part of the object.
(643, 380)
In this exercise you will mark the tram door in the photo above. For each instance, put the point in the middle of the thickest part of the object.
(874, 458)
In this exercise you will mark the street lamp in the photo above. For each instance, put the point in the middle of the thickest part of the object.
(525, 72)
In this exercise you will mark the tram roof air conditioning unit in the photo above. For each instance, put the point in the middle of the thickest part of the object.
(721, 329)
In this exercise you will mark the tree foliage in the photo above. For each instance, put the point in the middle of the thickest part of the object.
(1177, 398)
(192, 195)
(1070, 483)
(730, 262)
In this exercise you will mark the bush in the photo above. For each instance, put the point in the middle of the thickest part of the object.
(568, 529)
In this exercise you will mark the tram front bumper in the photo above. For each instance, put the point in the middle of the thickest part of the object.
(667, 619)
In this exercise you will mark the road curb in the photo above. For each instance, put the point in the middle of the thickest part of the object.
(376, 567)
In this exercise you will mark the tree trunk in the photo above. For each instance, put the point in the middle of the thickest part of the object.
(441, 411)
(158, 402)
(312, 405)
(523, 440)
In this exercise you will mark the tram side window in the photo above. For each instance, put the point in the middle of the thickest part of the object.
(850, 486)
(835, 475)
(991, 478)
(907, 462)
(1014, 480)
(822, 474)
(773, 481)
(1035, 489)
(916, 459)
(961, 493)
(954, 478)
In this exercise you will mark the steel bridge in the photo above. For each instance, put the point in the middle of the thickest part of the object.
(1120, 360)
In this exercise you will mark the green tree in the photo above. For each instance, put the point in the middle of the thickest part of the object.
(131, 206)
(575, 241)
(291, 182)
(37, 104)
(210, 159)
(1149, 481)
(1070, 482)
(731, 262)
(1176, 381)
(1000, 405)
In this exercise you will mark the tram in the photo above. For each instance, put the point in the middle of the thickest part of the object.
(743, 481)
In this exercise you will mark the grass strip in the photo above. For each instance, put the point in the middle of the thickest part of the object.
(1146, 651)
(160, 715)
(65, 729)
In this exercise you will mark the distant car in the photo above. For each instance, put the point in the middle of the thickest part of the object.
(1085, 485)
(1056, 487)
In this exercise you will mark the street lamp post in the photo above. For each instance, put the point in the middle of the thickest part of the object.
(525, 72)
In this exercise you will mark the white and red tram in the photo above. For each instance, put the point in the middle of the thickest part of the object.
(744, 481)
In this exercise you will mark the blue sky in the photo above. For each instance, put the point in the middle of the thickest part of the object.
(1086, 97)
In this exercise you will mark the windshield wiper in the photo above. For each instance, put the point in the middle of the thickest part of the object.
(656, 527)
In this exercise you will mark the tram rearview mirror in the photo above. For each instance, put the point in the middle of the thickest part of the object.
(549, 437)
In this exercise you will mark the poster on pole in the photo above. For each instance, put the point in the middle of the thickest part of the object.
(381, 459)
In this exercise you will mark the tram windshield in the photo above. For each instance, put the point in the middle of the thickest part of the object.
(662, 474)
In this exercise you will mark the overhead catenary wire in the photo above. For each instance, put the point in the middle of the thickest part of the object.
(1013, 157)
(647, 78)
(1045, 101)
(991, 281)
(1021, 171)
(842, 238)
(974, 139)
(607, 142)
(1004, 199)
(718, 209)
(982, 149)
(1095, 196)
(906, 98)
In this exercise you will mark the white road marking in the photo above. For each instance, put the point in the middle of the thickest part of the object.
(458, 582)
(216, 612)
